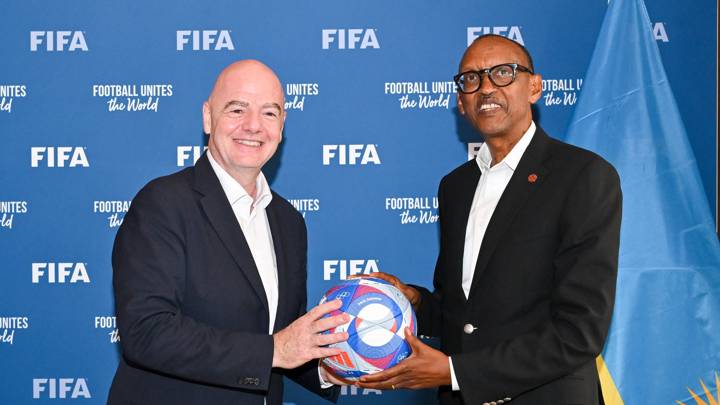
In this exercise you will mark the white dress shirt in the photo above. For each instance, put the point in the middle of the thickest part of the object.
(490, 187)
(252, 218)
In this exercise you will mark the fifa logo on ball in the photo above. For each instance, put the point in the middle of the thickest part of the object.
(379, 314)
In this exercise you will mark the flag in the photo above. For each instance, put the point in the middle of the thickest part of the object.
(665, 333)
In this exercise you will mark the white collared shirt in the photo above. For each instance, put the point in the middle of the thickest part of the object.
(490, 188)
(253, 221)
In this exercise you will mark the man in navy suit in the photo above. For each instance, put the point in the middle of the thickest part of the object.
(209, 269)
(524, 283)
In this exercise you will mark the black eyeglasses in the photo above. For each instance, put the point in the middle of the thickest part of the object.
(500, 75)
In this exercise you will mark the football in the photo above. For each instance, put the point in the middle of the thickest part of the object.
(379, 313)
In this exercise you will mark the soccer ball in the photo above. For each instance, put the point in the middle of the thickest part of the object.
(379, 313)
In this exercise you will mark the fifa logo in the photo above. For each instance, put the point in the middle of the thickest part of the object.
(344, 268)
(60, 273)
(186, 153)
(56, 41)
(512, 32)
(350, 154)
(205, 40)
(60, 388)
(58, 156)
(353, 38)
(351, 390)
(473, 149)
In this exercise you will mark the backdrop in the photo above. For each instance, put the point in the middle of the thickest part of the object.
(97, 98)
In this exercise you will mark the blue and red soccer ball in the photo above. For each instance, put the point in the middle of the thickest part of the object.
(379, 313)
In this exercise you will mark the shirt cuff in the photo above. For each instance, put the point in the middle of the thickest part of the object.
(455, 385)
(323, 384)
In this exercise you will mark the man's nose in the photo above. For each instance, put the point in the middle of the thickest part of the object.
(486, 85)
(252, 122)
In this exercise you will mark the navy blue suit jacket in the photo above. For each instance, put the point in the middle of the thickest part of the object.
(191, 308)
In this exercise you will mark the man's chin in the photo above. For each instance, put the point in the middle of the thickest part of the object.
(491, 131)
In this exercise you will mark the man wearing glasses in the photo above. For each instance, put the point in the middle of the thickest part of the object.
(529, 236)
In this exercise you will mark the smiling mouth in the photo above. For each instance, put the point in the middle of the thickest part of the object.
(248, 142)
(489, 107)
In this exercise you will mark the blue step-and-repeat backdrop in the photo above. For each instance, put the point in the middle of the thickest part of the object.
(97, 98)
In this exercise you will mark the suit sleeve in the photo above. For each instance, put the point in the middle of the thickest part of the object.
(307, 376)
(585, 273)
(149, 280)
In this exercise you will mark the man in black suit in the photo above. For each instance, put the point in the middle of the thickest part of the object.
(209, 269)
(529, 237)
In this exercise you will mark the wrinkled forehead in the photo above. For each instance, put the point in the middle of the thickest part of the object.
(489, 52)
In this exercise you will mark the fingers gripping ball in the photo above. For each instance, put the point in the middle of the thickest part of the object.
(379, 313)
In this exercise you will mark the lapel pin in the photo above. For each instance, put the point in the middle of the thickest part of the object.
(532, 178)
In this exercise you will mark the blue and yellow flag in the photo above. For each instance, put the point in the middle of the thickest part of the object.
(665, 334)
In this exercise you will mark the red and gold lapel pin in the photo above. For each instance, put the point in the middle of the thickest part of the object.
(532, 178)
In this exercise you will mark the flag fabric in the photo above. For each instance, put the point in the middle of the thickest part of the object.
(665, 334)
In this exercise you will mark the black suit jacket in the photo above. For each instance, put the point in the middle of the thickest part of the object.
(544, 284)
(191, 308)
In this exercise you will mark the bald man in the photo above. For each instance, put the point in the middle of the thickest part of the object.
(524, 283)
(209, 269)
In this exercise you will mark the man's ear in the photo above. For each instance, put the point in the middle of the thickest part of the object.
(282, 125)
(460, 105)
(535, 88)
(207, 118)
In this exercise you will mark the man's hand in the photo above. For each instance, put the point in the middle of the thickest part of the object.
(410, 293)
(328, 376)
(425, 368)
(302, 340)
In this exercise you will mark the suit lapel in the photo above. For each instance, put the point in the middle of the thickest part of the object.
(517, 192)
(222, 218)
(276, 232)
(465, 193)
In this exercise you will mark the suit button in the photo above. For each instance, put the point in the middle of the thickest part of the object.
(507, 399)
(468, 328)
